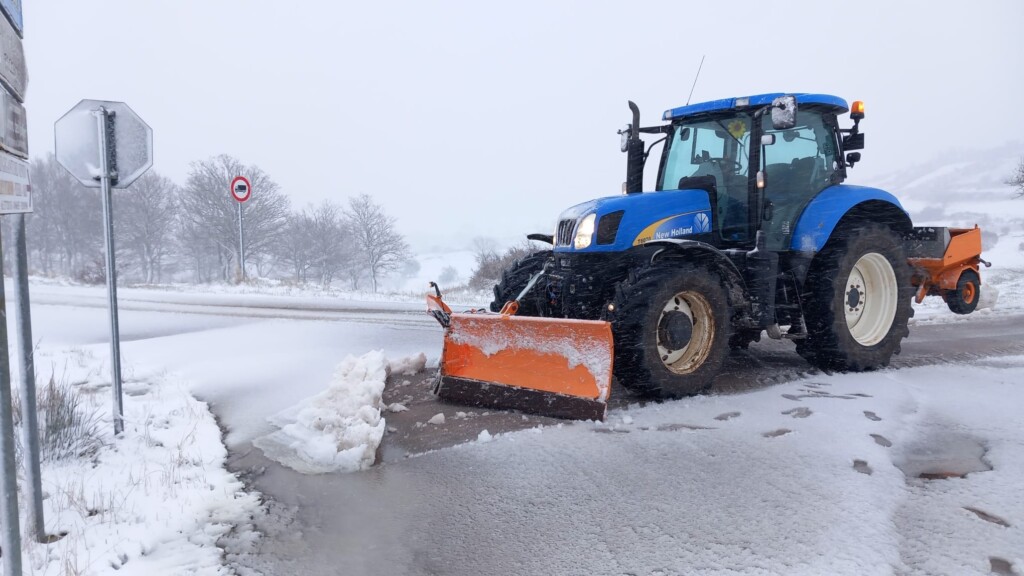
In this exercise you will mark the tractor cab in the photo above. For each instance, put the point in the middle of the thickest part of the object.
(759, 173)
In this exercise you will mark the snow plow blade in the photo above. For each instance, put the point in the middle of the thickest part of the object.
(552, 367)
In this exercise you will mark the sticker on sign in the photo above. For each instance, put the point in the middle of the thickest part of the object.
(15, 192)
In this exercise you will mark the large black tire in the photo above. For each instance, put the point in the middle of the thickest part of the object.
(514, 279)
(645, 307)
(964, 299)
(856, 300)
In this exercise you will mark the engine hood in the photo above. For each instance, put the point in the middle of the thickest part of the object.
(644, 217)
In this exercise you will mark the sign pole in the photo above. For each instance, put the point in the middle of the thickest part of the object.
(11, 528)
(103, 119)
(29, 419)
(241, 242)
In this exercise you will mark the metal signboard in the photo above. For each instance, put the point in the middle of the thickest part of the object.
(12, 9)
(78, 143)
(240, 188)
(13, 73)
(13, 129)
(15, 191)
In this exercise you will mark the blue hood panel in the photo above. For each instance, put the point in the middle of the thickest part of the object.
(646, 216)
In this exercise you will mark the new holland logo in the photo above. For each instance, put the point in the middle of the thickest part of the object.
(701, 222)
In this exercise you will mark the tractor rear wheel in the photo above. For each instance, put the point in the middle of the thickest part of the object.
(514, 279)
(964, 299)
(857, 301)
(671, 328)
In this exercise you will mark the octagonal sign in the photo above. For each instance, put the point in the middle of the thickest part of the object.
(77, 136)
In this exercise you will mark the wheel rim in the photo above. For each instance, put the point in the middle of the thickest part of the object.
(969, 293)
(870, 299)
(690, 357)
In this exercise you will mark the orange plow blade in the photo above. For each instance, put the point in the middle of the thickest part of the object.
(553, 367)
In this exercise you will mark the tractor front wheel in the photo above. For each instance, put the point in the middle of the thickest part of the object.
(671, 328)
(515, 278)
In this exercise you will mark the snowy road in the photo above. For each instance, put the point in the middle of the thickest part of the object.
(767, 475)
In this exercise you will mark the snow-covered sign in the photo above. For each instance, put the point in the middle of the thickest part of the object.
(78, 143)
(13, 74)
(13, 129)
(241, 189)
(12, 9)
(15, 193)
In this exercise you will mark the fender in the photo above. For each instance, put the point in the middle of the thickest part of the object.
(820, 217)
(693, 249)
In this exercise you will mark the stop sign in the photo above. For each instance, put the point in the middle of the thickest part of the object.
(78, 143)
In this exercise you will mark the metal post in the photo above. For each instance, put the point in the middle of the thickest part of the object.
(241, 242)
(102, 118)
(29, 422)
(11, 528)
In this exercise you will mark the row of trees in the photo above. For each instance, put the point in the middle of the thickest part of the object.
(166, 232)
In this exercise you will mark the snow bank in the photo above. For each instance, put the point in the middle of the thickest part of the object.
(339, 429)
(155, 500)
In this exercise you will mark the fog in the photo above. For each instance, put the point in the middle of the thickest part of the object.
(470, 118)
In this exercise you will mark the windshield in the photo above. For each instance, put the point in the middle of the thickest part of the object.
(716, 146)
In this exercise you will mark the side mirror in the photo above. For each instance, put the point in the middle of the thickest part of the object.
(784, 113)
(767, 139)
(853, 142)
(624, 133)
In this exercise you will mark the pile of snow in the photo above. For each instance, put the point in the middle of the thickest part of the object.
(155, 500)
(339, 429)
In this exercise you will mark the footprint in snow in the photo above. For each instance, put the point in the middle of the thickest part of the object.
(727, 416)
(987, 517)
(801, 412)
(777, 433)
(1001, 566)
(675, 427)
(792, 397)
(882, 440)
(862, 467)
(872, 416)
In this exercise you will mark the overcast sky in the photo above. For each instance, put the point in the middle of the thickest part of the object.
(483, 118)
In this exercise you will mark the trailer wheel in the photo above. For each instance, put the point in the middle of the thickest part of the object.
(857, 301)
(514, 279)
(964, 299)
(671, 328)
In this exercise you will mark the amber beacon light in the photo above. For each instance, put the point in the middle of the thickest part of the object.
(857, 110)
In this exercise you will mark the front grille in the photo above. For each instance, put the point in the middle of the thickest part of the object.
(565, 229)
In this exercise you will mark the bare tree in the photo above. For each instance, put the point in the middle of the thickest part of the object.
(294, 248)
(65, 231)
(331, 241)
(379, 246)
(1017, 180)
(490, 264)
(145, 222)
(210, 215)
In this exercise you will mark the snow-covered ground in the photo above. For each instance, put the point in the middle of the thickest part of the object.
(156, 499)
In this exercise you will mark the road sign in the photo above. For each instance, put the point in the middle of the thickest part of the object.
(13, 130)
(240, 188)
(12, 9)
(13, 74)
(78, 143)
(15, 192)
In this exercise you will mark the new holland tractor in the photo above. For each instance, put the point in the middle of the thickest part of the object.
(751, 229)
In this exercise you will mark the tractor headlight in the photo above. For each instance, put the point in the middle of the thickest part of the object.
(585, 232)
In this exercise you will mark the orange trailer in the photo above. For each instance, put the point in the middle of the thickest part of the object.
(946, 263)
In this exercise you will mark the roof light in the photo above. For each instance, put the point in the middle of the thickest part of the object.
(742, 102)
(857, 110)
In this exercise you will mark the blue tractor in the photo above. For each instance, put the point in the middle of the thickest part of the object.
(751, 229)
